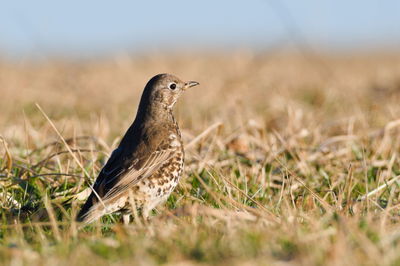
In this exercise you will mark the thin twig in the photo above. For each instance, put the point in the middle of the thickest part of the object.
(373, 192)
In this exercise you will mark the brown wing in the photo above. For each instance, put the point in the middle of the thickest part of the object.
(117, 176)
(133, 175)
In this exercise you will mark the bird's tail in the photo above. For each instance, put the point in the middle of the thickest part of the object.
(90, 211)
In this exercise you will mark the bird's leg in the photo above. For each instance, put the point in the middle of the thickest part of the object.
(126, 218)
(145, 216)
(146, 211)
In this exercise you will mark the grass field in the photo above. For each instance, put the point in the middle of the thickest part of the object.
(289, 160)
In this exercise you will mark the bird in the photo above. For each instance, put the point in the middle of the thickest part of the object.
(148, 163)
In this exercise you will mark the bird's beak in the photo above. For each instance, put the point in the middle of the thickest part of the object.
(190, 84)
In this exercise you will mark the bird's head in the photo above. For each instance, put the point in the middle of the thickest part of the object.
(163, 90)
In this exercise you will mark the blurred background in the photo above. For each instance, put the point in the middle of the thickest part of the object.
(96, 28)
(90, 59)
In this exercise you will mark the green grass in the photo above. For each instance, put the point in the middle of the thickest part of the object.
(297, 169)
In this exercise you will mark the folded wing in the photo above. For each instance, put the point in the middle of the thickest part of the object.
(118, 175)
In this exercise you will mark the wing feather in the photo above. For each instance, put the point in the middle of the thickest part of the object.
(124, 178)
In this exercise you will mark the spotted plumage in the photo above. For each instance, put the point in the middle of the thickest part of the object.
(148, 163)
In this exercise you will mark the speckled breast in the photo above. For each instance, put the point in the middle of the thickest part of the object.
(155, 189)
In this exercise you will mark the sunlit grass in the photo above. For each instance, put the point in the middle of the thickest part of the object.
(284, 162)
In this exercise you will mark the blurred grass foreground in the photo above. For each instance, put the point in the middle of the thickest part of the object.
(289, 160)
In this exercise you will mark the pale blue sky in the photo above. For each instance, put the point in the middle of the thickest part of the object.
(93, 27)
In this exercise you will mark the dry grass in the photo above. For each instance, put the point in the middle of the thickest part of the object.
(289, 161)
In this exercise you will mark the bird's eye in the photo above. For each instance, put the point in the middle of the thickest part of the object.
(172, 86)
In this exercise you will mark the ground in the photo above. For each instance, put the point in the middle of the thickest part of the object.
(290, 159)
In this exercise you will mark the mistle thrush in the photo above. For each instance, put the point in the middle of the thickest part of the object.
(148, 163)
